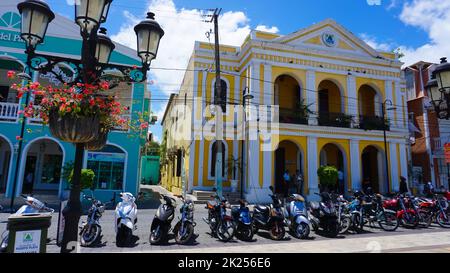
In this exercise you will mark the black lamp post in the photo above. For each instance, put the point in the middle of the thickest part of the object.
(95, 55)
(246, 98)
(438, 89)
(385, 125)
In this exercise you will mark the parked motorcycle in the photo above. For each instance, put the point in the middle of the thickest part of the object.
(125, 219)
(91, 230)
(270, 218)
(323, 215)
(402, 205)
(219, 218)
(32, 206)
(161, 223)
(243, 221)
(343, 214)
(435, 209)
(297, 214)
(184, 228)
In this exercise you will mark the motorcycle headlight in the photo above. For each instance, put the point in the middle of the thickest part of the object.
(191, 206)
(228, 205)
(101, 209)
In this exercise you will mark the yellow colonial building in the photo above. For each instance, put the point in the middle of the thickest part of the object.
(317, 98)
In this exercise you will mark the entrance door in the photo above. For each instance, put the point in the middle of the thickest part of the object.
(370, 167)
(279, 169)
(5, 171)
(30, 174)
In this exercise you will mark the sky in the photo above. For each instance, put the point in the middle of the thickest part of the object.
(419, 28)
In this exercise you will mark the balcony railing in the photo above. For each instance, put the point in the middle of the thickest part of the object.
(373, 123)
(292, 116)
(9, 111)
(335, 120)
(437, 144)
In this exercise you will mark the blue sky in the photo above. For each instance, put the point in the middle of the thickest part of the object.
(418, 27)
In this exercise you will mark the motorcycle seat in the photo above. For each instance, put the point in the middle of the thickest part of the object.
(261, 208)
(210, 204)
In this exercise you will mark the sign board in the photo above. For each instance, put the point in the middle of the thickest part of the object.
(447, 152)
(28, 241)
(61, 222)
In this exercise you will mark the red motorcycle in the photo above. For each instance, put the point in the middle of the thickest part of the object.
(403, 206)
(436, 209)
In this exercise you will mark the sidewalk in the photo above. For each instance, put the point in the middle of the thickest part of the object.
(437, 242)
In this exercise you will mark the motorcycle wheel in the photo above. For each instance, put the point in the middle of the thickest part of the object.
(225, 230)
(424, 219)
(440, 219)
(156, 235)
(245, 233)
(302, 231)
(123, 237)
(90, 237)
(412, 223)
(356, 220)
(4, 243)
(388, 220)
(254, 228)
(183, 239)
(345, 224)
(277, 231)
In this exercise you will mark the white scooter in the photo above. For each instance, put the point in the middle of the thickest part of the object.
(125, 219)
(33, 206)
(296, 212)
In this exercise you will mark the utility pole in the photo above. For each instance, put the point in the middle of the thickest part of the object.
(219, 105)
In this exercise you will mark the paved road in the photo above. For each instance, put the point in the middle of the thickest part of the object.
(205, 242)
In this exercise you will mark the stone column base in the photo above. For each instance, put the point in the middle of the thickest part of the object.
(258, 196)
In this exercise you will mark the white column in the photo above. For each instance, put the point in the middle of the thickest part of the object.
(352, 102)
(313, 179)
(393, 166)
(399, 109)
(389, 96)
(311, 96)
(355, 164)
(268, 86)
(201, 161)
(403, 161)
(254, 82)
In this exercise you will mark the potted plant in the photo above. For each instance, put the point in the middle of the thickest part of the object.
(87, 179)
(328, 176)
(234, 166)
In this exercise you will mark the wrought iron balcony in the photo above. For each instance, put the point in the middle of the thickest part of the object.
(335, 119)
(292, 116)
(9, 111)
(373, 123)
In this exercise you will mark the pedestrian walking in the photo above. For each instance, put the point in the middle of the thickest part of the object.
(287, 182)
(299, 182)
(403, 185)
(340, 182)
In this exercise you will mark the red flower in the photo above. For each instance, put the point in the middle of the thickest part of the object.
(104, 85)
(143, 125)
(18, 138)
(11, 74)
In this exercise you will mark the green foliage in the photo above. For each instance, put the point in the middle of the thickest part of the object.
(87, 178)
(152, 148)
(327, 175)
(303, 110)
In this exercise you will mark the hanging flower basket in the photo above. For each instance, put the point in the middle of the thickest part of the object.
(75, 129)
(99, 142)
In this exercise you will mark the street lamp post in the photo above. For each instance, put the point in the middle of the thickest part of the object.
(95, 55)
(438, 89)
(384, 138)
(247, 96)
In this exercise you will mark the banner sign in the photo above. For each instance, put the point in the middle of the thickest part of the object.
(28, 241)
(447, 152)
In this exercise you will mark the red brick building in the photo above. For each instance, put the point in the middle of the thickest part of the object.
(428, 134)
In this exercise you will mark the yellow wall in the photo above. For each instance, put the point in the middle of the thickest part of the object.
(345, 147)
(339, 80)
(334, 96)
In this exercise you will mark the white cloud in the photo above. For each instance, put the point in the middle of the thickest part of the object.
(273, 29)
(432, 16)
(182, 28)
(375, 44)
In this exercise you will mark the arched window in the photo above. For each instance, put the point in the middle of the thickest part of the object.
(224, 88)
(212, 172)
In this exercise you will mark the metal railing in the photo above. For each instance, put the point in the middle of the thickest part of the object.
(334, 119)
(291, 116)
(9, 111)
(437, 144)
(373, 123)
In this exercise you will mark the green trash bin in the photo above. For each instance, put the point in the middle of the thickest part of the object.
(28, 233)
